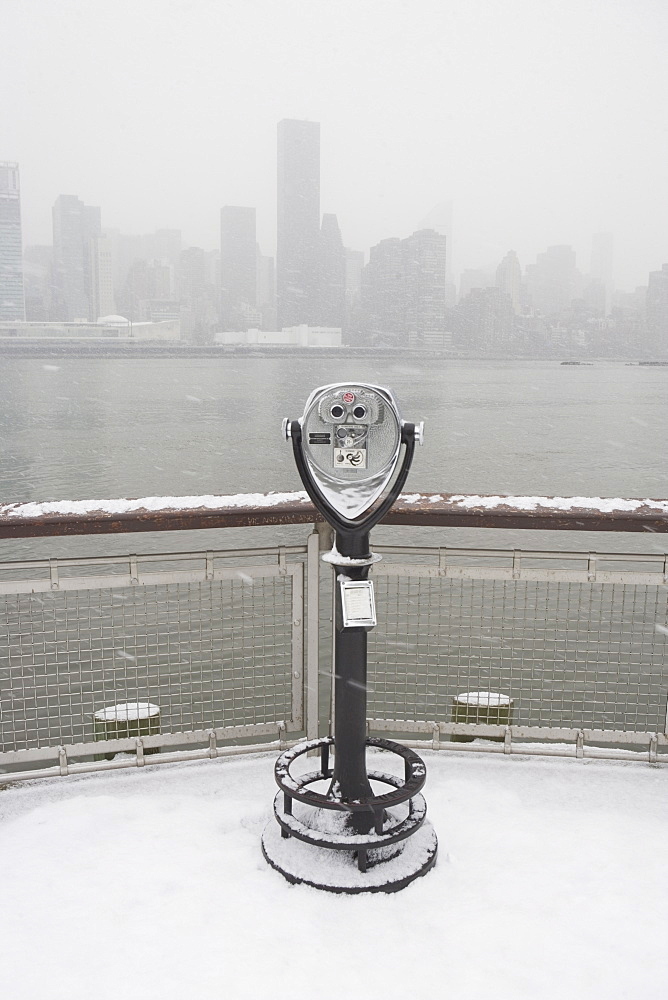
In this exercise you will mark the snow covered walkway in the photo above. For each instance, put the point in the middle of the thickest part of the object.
(551, 882)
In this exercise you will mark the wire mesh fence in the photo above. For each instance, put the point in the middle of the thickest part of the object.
(219, 652)
(574, 653)
(216, 641)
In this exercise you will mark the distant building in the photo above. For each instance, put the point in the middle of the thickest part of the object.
(430, 340)
(601, 270)
(424, 280)
(440, 219)
(108, 327)
(266, 290)
(331, 286)
(553, 282)
(160, 251)
(404, 287)
(485, 319)
(298, 223)
(301, 335)
(657, 311)
(146, 284)
(509, 279)
(383, 290)
(238, 265)
(12, 302)
(37, 279)
(354, 268)
(75, 227)
(195, 295)
(101, 277)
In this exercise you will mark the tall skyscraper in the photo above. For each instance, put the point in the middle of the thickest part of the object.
(12, 302)
(424, 268)
(601, 267)
(440, 219)
(331, 275)
(298, 230)
(403, 286)
(101, 278)
(553, 281)
(266, 290)
(383, 291)
(509, 279)
(75, 227)
(238, 266)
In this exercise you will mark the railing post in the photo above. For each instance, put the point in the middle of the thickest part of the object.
(312, 635)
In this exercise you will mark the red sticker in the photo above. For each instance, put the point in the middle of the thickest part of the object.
(349, 397)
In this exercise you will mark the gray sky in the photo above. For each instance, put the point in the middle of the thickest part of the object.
(543, 121)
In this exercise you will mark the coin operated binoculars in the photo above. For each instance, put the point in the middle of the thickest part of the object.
(348, 450)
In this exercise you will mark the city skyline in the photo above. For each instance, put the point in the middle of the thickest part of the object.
(542, 124)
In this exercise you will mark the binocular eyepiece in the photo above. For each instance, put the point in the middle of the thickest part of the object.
(350, 440)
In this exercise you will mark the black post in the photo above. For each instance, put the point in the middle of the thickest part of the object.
(350, 781)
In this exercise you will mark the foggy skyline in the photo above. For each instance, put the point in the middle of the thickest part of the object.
(542, 124)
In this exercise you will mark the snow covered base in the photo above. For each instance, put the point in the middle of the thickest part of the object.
(336, 871)
(149, 884)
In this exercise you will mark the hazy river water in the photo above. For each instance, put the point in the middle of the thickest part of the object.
(92, 429)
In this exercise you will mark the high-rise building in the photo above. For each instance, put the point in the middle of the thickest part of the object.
(657, 311)
(12, 302)
(484, 319)
(197, 297)
(266, 290)
(383, 291)
(553, 281)
(298, 229)
(424, 281)
(509, 279)
(354, 268)
(75, 227)
(440, 219)
(37, 280)
(101, 277)
(601, 266)
(403, 286)
(238, 266)
(331, 290)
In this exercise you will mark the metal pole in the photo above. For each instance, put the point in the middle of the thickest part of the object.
(350, 781)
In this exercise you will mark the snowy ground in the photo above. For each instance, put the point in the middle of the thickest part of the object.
(552, 881)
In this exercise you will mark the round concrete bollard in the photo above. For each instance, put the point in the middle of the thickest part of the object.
(133, 718)
(486, 707)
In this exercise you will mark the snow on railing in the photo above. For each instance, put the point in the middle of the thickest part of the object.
(81, 517)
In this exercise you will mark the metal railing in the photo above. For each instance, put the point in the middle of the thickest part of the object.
(213, 640)
(575, 643)
(231, 648)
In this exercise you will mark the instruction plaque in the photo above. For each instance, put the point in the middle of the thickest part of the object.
(358, 604)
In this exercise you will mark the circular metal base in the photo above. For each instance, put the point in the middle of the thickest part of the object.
(336, 871)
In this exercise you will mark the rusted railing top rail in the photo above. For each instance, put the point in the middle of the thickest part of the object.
(95, 517)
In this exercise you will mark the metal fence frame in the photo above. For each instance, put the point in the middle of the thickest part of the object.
(427, 509)
(44, 576)
(535, 566)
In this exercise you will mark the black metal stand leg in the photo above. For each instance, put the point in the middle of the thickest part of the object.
(287, 807)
